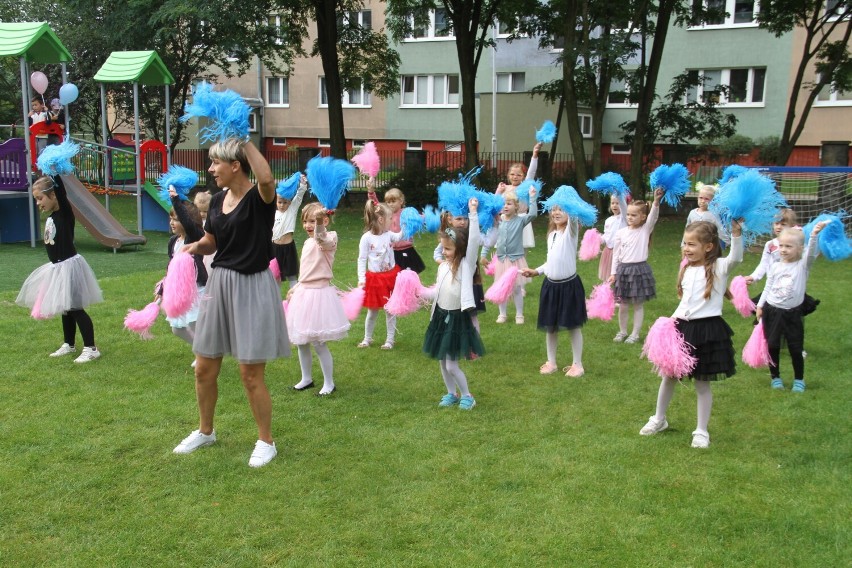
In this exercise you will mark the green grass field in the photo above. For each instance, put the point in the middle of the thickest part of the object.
(545, 471)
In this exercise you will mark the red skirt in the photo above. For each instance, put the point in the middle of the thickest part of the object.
(378, 288)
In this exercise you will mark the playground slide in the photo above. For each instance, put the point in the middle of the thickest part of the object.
(96, 219)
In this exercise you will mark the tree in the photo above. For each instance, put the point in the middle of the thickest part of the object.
(826, 27)
(471, 22)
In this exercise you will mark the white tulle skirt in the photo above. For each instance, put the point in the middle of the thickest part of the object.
(316, 314)
(192, 315)
(55, 288)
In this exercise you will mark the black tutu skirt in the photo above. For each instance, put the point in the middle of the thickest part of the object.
(809, 306)
(710, 342)
(784, 326)
(634, 283)
(288, 260)
(562, 304)
(408, 258)
(451, 335)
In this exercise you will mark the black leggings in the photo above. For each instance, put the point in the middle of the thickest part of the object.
(71, 320)
(795, 356)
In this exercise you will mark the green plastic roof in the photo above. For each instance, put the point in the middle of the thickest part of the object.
(33, 40)
(144, 67)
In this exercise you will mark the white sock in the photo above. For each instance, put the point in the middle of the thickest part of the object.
(577, 346)
(327, 366)
(519, 301)
(623, 315)
(391, 323)
(306, 363)
(370, 324)
(705, 404)
(664, 397)
(638, 318)
(551, 340)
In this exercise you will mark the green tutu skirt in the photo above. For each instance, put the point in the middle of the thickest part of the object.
(451, 335)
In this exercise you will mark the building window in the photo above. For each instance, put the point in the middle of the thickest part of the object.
(452, 147)
(252, 120)
(510, 82)
(435, 26)
(745, 87)
(829, 97)
(836, 9)
(585, 125)
(358, 143)
(324, 142)
(414, 145)
(619, 94)
(621, 149)
(728, 13)
(277, 92)
(362, 19)
(352, 98)
(430, 91)
(275, 23)
(279, 141)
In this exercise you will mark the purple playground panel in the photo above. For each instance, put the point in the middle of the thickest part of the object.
(14, 192)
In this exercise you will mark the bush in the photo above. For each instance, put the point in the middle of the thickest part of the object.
(769, 149)
(735, 145)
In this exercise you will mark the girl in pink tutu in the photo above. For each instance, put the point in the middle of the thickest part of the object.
(315, 313)
(377, 269)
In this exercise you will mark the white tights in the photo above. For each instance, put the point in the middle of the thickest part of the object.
(306, 362)
(454, 377)
(551, 339)
(704, 402)
(518, 295)
(370, 325)
(638, 317)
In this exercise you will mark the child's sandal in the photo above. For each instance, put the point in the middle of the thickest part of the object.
(547, 369)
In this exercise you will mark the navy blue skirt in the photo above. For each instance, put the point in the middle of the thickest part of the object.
(562, 304)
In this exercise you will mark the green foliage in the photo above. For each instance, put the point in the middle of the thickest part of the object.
(736, 145)
(768, 150)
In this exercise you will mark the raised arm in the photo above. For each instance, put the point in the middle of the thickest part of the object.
(262, 172)
(531, 171)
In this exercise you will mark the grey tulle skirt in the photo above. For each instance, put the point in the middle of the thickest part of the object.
(241, 315)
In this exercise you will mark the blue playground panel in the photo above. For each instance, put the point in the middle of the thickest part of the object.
(14, 217)
(154, 217)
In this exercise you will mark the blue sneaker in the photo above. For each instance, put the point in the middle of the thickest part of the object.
(467, 402)
(777, 383)
(798, 385)
(448, 400)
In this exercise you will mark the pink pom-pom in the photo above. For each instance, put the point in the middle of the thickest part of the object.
(683, 262)
(492, 266)
(739, 296)
(666, 348)
(275, 269)
(502, 289)
(590, 247)
(756, 350)
(141, 321)
(601, 304)
(179, 290)
(352, 300)
(403, 300)
(367, 160)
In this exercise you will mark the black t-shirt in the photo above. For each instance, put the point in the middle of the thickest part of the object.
(243, 236)
(59, 228)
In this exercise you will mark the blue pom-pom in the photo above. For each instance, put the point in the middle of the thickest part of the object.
(411, 222)
(609, 183)
(567, 199)
(453, 197)
(287, 188)
(490, 205)
(55, 159)
(546, 133)
(329, 179)
(832, 240)
(674, 181)
(227, 111)
(751, 197)
(523, 190)
(731, 172)
(432, 218)
(181, 178)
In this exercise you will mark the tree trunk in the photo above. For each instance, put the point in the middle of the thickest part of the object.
(327, 40)
(467, 83)
(575, 135)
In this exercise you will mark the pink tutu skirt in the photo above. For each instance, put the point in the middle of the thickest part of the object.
(505, 264)
(605, 266)
(316, 315)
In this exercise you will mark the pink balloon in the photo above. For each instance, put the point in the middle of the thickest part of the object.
(39, 82)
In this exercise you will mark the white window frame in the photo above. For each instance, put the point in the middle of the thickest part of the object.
(453, 146)
(725, 79)
(365, 96)
(833, 101)
(414, 145)
(504, 35)
(430, 30)
(512, 75)
(626, 97)
(730, 6)
(275, 20)
(324, 142)
(252, 120)
(281, 82)
(834, 18)
(627, 151)
(278, 141)
(360, 21)
(582, 117)
(430, 88)
(358, 143)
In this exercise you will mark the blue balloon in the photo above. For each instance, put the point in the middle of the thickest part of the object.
(68, 93)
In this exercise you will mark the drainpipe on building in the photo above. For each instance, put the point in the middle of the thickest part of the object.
(261, 124)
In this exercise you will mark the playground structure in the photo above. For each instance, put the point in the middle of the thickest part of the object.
(36, 43)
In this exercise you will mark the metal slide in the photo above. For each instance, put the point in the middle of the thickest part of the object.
(97, 220)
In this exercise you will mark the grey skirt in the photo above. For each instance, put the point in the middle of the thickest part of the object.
(241, 315)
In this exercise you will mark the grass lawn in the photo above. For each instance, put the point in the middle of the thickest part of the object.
(545, 471)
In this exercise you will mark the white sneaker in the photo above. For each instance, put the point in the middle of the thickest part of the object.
(64, 350)
(262, 454)
(88, 354)
(653, 426)
(194, 441)
(632, 339)
(700, 439)
(619, 337)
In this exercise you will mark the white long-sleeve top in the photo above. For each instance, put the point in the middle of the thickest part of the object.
(375, 253)
(769, 257)
(631, 245)
(286, 222)
(561, 262)
(693, 305)
(456, 292)
(615, 222)
(698, 215)
(786, 281)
